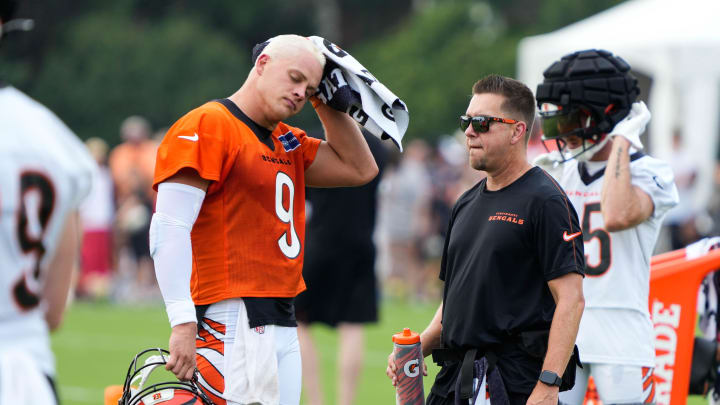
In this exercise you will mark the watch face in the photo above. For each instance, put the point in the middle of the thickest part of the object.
(550, 378)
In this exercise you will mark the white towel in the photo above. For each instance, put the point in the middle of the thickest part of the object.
(479, 398)
(371, 104)
(380, 111)
(252, 375)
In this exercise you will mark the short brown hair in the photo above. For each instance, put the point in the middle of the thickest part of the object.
(519, 99)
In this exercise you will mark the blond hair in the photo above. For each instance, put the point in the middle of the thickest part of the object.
(286, 45)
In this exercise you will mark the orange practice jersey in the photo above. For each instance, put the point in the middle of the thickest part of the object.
(248, 239)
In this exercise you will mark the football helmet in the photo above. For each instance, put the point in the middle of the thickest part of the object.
(135, 392)
(584, 94)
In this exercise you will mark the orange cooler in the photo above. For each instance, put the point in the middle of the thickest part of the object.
(674, 283)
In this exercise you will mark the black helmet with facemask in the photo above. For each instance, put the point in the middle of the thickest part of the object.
(585, 94)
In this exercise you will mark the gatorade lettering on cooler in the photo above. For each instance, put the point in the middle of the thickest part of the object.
(408, 359)
(411, 368)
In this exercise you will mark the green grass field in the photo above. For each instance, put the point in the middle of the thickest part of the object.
(97, 342)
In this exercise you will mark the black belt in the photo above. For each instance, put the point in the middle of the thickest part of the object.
(445, 356)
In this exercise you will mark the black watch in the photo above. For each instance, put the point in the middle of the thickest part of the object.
(549, 378)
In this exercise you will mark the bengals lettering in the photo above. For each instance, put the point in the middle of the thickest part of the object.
(276, 160)
(507, 217)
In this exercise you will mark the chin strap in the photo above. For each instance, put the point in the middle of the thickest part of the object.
(151, 363)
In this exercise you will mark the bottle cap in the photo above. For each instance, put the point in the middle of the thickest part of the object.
(406, 337)
(113, 394)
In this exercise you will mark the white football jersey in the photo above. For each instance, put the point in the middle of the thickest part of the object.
(616, 326)
(46, 172)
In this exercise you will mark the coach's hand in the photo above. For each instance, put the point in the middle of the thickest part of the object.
(391, 370)
(543, 394)
(182, 350)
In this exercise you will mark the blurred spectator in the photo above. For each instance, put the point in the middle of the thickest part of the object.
(680, 220)
(714, 204)
(404, 208)
(339, 272)
(132, 164)
(97, 214)
(445, 168)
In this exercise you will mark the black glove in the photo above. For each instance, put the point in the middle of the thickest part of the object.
(335, 91)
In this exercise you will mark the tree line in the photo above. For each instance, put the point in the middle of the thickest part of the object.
(95, 63)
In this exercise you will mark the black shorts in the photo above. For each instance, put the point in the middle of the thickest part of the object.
(340, 288)
(140, 242)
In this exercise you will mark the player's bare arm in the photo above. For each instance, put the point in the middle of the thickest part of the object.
(344, 159)
(623, 204)
(569, 301)
(57, 284)
(429, 340)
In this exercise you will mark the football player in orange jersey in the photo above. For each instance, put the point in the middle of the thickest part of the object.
(227, 236)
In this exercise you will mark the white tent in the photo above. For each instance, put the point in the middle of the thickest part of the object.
(676, 44)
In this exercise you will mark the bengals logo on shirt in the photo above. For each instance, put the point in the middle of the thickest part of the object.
(507, 217)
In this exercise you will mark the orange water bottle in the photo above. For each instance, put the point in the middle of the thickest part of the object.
(408, 359)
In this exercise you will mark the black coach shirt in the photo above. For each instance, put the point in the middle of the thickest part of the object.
(501, 250)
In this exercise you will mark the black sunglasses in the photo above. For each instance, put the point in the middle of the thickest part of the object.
(481, 123)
